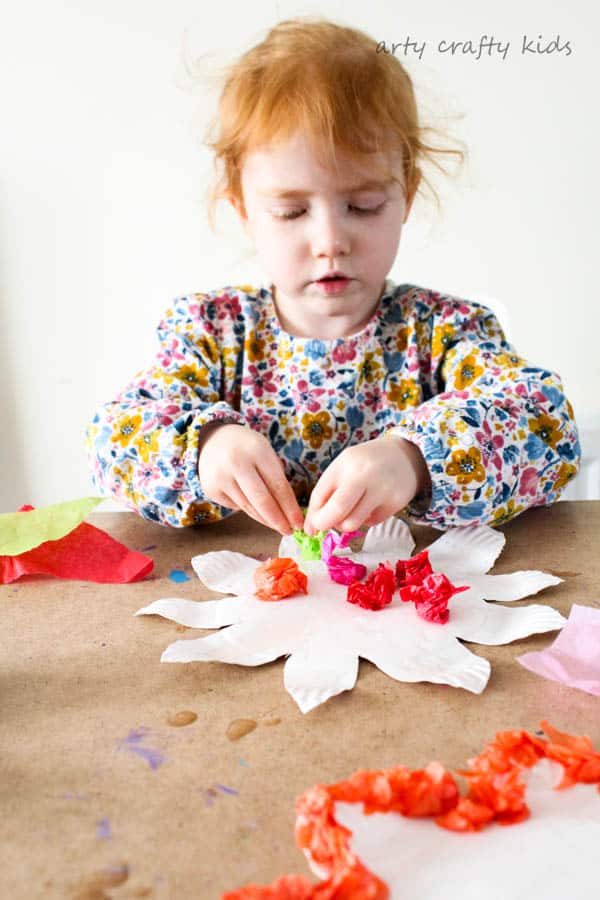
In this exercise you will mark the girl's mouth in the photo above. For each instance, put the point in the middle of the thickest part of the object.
(333, 285)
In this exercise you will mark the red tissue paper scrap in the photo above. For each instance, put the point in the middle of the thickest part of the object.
(514, 770)
(85, 554)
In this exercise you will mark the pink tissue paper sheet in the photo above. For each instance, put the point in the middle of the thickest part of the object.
(574, 657)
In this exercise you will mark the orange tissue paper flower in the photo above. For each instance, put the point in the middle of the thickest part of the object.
(278, 578)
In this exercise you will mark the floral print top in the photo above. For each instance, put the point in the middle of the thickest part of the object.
(497, 434)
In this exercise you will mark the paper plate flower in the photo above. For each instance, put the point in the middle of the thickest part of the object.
(324, 636)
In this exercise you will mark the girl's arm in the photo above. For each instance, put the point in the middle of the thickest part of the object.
(498, 435)
(143, 446)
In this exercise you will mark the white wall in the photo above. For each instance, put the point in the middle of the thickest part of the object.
(102, 215)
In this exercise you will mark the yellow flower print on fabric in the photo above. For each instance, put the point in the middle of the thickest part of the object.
(316, 429)
(402, 339)
(407, 393)
(370, 370)
(147, 444)
(509, 360)
(194, 377)
(199, 512)
(124, 475)
(546, 428)
(466, 466)
(468, 372)
(565, 473)
(442, 337)
(126, 428)
(505, 513)
(209, 348)
(255, 348)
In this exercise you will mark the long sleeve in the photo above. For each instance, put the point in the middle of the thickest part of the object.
(498, 435)
(143, 446)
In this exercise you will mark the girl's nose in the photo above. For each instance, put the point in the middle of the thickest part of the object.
(330, 237)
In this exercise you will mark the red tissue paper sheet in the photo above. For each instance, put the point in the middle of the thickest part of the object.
(85, 554)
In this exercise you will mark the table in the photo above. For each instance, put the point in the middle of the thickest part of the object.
(103, 797)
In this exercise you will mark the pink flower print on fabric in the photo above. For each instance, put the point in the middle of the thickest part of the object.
(260, 381)
(306, 395)
(529, 480)
(490, 443)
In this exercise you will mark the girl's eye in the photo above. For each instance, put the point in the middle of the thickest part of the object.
(367, 210)
(358, 210)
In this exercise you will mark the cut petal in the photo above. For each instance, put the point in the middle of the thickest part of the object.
(200, 614)
(390, 538)
(318, 670)
(441, 661)
(513, 586)
(244, 644)
(501, 625)
(226, 571)
(472, 548)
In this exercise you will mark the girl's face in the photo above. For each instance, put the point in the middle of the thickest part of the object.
(306, 222)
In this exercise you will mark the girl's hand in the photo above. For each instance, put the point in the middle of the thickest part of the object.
(366, 484)
(239, 469)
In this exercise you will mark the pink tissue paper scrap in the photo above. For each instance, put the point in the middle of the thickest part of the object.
(574, 657)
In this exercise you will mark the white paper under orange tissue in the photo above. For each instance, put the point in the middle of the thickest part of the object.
(324, 636)
(552, 855)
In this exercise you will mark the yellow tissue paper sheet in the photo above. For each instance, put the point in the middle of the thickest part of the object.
(22, 531)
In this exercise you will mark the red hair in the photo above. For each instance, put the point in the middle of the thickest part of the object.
(328, 81)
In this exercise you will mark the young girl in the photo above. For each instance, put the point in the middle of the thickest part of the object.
(330, 386)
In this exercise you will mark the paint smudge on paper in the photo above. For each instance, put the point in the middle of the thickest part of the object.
(178, 576)
(211, 793)
(103, 831)
(237, 728)
(209, 796)
(181, 718)
(147, 549)
(227, 790)
(93, 886)
(134, 743)
(71, 795)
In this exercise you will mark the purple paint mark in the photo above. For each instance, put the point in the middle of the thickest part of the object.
(227, 790)
(103, 831)
(178, 576)
(146, 549)
(134, 743)
(70, 795)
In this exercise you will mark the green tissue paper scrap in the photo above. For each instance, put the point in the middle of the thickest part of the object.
(310, 544)
(22, 531)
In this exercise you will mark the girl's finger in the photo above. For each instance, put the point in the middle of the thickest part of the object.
(340, 507)
(380, 514)
(259, 495)
(281, 491)
(242, 503)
